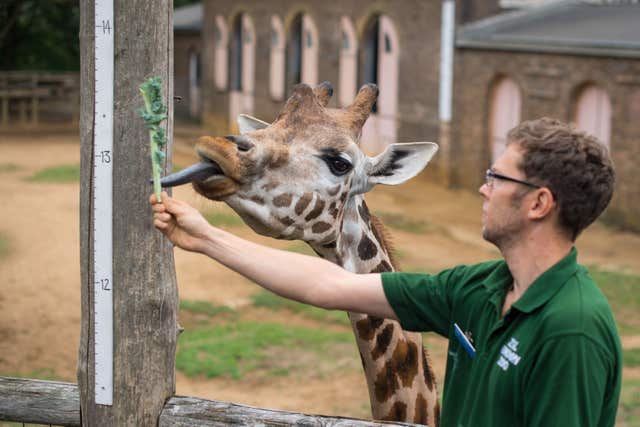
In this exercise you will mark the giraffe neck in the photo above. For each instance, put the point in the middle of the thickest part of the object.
(397, 368)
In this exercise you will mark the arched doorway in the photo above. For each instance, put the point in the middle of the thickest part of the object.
(379, 64)
(592, 112)
(277, 59)
(241, 69)
(221, 44)
(348, 69)
(302, 52)
(505, 106)
(194, 83)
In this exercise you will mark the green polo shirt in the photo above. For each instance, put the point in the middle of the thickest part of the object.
(554, 359)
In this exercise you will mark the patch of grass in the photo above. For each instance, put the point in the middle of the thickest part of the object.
(9, 167)
(48, 374)
(401, 222)
(4, 245)
(629, 407)
(238, 348)
(204, 307)
(223, 219)
(623, 292)
(631, 357)
(274, 302)
(56, 174)
(300, 248)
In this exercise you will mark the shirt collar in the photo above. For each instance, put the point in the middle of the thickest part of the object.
(548, 283)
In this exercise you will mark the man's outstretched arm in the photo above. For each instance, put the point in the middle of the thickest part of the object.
(299, 277)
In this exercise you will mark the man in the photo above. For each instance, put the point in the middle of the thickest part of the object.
(532, 341)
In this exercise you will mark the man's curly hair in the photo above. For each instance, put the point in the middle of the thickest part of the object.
(576, 167)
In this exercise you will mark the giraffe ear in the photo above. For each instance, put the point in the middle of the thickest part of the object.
(248, 123)
(400, 162)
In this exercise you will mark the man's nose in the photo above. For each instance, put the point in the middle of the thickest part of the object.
(484, 190)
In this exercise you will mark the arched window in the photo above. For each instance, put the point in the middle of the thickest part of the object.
(276, 59)
(241, 68)
(379, 56)
(504, 114)
(302, 52)
(221, 40)
(593, 113)
(348, 78)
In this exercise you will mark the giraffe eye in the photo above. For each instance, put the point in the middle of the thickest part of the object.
(338, 165)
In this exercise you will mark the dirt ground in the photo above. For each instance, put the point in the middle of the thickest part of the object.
(39, 272)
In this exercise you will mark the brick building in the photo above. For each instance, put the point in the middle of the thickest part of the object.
(578, 62)
(574, 61)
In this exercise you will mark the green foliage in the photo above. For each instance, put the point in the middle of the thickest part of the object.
(204, 307)
(223, 219)
(40, 35)
(238, 348)
(153, 113)
(623, 292)
(9, 167)
(57, 174)
(401, 222)
(274, 302)
(180, 3)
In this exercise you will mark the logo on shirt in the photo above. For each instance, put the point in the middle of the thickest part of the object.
(509, 355)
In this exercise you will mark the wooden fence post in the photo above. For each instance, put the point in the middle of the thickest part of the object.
(144, 287)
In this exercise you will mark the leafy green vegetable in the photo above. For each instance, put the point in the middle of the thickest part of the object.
(153, 113)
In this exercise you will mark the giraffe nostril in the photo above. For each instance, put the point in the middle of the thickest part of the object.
(241, 141)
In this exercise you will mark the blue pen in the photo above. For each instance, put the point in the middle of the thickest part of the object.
(466, 344)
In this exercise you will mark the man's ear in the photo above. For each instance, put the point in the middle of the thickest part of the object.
(400, 162)
(248, 124)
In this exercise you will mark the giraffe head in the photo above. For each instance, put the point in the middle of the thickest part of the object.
(291, 179)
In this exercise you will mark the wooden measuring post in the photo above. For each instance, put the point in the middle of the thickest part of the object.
(143, 285)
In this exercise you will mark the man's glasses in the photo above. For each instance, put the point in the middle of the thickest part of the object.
(490, 176)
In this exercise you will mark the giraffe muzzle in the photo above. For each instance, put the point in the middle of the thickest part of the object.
(196, 172)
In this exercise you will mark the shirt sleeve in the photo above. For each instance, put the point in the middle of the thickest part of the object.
(569, 384)
(422, 302)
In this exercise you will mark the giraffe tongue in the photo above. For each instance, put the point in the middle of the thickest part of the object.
(196, 172)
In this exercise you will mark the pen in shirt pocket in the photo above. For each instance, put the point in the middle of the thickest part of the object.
(464, 341)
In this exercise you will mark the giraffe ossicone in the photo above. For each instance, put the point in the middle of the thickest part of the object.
(303, 177)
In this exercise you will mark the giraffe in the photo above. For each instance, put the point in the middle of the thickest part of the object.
(304, 177)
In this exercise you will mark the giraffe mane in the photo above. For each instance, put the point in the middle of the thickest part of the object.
(386, 240)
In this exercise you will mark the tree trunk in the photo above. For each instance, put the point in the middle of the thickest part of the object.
(144, 288)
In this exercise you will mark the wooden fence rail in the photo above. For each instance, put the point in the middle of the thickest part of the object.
(58, 403)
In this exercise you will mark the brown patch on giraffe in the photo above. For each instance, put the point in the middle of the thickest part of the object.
(398, 411)
(333, 211)
(420, 412)
(303, 203)
(384, 237)
(367, 327)
(386, 383)
(343, 197)
(316, 211)
(382, 267)
(286, 220)
(333, 191)
(257, 200)
(367, 249)
(320, 227)
(405, 358)
(269, 186)
(283, 200)
(429, 375)
(364, 213)
(383, 339)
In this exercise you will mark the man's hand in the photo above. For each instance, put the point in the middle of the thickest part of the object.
(180, 222)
